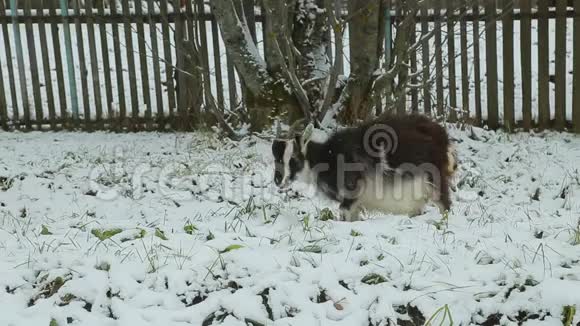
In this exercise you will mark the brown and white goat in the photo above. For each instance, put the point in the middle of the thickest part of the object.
(395, 164)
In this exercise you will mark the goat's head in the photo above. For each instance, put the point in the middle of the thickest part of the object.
(289, 153)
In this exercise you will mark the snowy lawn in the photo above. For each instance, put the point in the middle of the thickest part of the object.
(187, 229)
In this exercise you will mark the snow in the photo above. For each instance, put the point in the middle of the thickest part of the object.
(255, 254)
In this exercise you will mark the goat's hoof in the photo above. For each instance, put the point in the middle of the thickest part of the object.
(347, 216)
(416, 213)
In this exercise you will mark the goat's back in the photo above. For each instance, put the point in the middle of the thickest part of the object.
(398, 139)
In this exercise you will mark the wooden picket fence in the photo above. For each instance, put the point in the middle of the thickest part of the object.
(94, 66)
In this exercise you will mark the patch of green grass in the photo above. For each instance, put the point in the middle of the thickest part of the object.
(326, 214)
(190, 228)
(568, 315)
(312, 249)
(576, 238)
(137, 236)
(103, 234)
(141, 234)
(355, 233)
(373, 279)
(45, 230)
(67, 299)
(231, 248)
(306, 223)
(48, 289)
(53, 322)
(55, 285)
(160, 234)
(445, 318)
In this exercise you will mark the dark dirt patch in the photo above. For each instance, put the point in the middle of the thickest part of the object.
(414, 316)
(234, 286)
(266, 302)
(6, 183)
(92, 193)
(199, 298)
(218, 316)
(322, 296)
(343, 284)
(492, 320)
(48, 290)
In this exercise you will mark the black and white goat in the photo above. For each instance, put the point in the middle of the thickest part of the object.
(395, 164)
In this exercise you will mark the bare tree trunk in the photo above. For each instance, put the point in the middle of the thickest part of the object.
(190, 86)
(266, 90)
(298, 78)
(364, 57)
(279, 25)
(281, 15)
(312, 40)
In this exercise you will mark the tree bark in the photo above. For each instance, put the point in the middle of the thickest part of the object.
(242, 49)
(266, 90)
(385, 83)
(281, 14)
(364, 57)
(297, 78)
(189, 87)
(312, 40)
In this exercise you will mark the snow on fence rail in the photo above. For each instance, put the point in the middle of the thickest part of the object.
(122, 65)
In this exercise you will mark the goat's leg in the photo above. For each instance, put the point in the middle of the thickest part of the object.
(349, 210)
(444, 200)
(350, 192)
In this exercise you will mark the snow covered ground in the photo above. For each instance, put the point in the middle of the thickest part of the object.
(187, 229)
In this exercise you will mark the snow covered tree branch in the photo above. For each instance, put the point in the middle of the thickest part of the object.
(297, 78)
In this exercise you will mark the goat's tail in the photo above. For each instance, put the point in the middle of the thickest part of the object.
(441, 138)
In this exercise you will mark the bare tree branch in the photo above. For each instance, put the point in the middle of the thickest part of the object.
(338, 28)
(297, 88)
(364, 38)
(274, 28)
(384, 83)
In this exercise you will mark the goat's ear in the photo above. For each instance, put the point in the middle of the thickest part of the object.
(307, 134)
